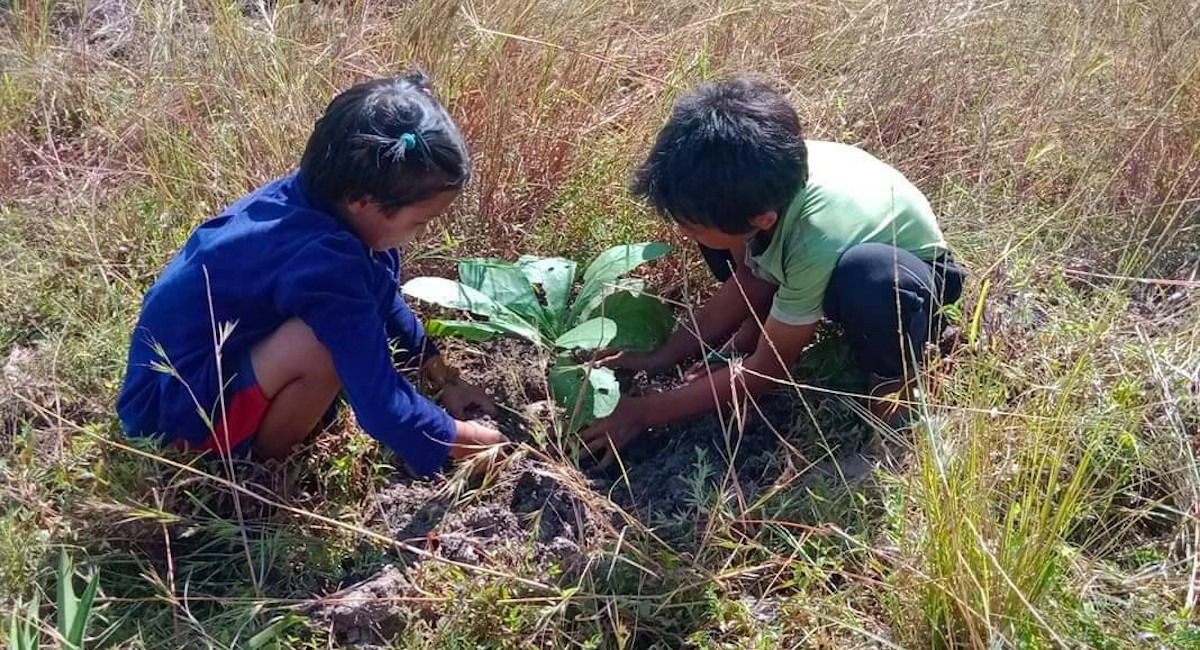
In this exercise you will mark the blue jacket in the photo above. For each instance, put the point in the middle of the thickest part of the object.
(273, 256)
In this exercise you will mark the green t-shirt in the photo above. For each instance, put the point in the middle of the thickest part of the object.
(851, 198)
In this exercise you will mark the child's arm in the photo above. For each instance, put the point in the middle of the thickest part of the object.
(331, 291)
(404, 327)
(719, 318)
(461, 399)
(778, 348)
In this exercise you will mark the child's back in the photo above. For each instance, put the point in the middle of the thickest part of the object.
(291, 295)
(849, 198)
(268, 258)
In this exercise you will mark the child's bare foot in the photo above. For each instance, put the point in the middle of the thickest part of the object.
(891, 400)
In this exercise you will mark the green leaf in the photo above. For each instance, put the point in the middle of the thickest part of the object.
(643, 321)
(556, 275)
(588, 335)
(612, 264)
(467, 329)
(503, 282)
(67, 602)
(270, 633)
(619, 260)
(587, 393)
(23, 630)
(83, 614)
(455, 295)
(636, 285)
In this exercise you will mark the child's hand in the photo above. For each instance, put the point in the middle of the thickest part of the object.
(472, 438)
(466, 401)
(713, 362)
(607, 436)
(462, 400)
(633, 360)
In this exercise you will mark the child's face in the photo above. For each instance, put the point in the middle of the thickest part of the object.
(717, 239)
(383, 229)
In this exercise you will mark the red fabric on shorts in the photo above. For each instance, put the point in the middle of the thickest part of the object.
(244, 413)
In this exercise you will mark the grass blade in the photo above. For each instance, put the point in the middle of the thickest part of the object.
(67, 601)
(83, 612)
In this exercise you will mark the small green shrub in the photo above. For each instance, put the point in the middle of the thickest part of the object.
(534, 299)
(74, 613)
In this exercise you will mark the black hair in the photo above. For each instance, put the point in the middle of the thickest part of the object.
(386, 140)
(732, 150)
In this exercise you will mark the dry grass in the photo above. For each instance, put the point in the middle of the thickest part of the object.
(1053, 502)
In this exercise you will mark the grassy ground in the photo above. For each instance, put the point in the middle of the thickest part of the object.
(1052, 501)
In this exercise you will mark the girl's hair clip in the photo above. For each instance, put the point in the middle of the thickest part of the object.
(409, 140)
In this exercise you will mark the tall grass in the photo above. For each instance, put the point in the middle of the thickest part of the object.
(1051, 501)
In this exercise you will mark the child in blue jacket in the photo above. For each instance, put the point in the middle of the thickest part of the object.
(290, 296)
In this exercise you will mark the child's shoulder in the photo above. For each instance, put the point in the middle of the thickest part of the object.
(277, 209)
(832, 159)
(842, 173)
(276, 224)
(278, 197)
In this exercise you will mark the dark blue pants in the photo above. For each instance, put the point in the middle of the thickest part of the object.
(887, 300)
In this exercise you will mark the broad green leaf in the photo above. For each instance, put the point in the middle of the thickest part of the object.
(556, 275)
(588, 335)
(455, 295)
(619, 260)
(643, 321)
(634, 285)
(587, 393)
(503, 282)
(467, 329)
(611, 265)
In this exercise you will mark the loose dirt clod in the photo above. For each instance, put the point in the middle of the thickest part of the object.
(528, 513)
(369, 613)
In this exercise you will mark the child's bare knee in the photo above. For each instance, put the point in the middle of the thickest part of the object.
(293, 353)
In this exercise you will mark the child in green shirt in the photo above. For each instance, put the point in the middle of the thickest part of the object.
(799, 230)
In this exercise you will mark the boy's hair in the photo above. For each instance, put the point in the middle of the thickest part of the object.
(731, 151)
(386, 140)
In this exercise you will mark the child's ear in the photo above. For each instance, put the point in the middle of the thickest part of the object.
(766, 220)
(370, 208)
(358, 206)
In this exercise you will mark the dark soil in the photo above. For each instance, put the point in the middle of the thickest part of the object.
(369, 612)
(528, 514)
(543, 519)
(659, 464)
(531, 521)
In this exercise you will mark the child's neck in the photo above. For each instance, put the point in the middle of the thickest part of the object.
(761, 239)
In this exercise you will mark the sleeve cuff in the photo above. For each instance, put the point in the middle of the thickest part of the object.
(405, 357)
(429, 452)
(795, 319)
(429, 348)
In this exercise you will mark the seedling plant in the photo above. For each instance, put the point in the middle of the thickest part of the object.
(535, 298)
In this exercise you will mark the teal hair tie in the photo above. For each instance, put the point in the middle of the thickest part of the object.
(409, 140)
